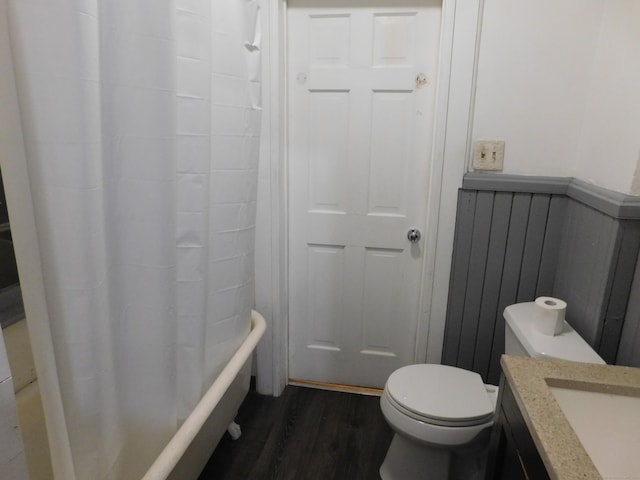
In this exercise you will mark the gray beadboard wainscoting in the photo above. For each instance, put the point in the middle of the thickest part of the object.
(520, 237)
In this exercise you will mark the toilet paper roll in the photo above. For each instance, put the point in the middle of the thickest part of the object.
(550, 315)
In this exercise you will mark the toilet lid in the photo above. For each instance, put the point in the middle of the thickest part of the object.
(440, 392)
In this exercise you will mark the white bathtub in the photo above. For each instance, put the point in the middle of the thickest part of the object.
(187, 452)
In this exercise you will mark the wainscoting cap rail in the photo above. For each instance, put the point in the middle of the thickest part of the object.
(499, 182)
(615, 204)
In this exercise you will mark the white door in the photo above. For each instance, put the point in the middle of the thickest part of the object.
(361, 111)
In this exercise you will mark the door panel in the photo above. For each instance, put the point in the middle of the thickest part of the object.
(328, 150)
(326, 283)
(390, 152)
(361, 96)
(382, 279)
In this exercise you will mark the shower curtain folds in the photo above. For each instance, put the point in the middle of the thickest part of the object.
(141, 132)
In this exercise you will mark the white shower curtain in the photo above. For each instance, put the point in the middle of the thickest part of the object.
(141, 131)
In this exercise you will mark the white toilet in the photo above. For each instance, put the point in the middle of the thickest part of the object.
(441, 415)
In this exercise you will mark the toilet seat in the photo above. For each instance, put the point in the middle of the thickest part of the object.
(440, 395)
(428, 433)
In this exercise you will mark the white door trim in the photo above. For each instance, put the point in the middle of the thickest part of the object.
(459, 44)
(271, 262)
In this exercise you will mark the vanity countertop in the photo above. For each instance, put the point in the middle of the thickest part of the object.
(531, 379)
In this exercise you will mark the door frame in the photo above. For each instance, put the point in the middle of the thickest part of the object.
(455, 97)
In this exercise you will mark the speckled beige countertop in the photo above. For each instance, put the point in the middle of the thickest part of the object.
(560, 449)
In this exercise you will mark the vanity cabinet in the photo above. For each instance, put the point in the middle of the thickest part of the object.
(513, 454)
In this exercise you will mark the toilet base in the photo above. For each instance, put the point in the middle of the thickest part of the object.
(408, 460)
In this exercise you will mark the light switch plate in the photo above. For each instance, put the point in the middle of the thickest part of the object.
(488, 155)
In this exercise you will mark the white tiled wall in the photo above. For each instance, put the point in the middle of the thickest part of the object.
(12, 460)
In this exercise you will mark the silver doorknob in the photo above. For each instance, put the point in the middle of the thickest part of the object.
(414, 235)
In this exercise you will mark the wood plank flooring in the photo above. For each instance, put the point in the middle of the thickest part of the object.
(305, 434)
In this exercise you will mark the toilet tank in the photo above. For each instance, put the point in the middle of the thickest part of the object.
(522, 338)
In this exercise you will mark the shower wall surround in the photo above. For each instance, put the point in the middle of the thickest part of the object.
(520, 237)
(12, 458)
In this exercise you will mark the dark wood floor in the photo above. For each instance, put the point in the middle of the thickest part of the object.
(304, 434)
